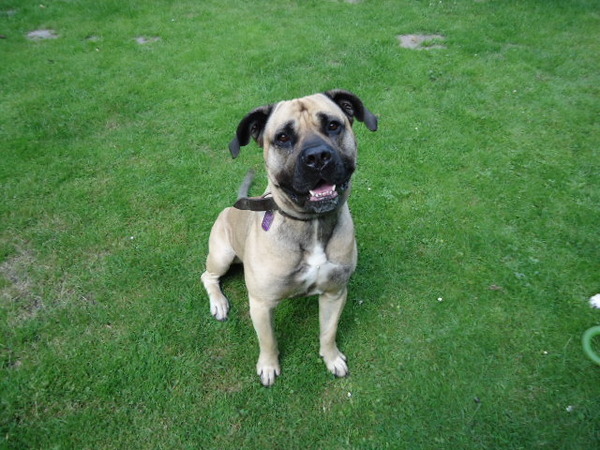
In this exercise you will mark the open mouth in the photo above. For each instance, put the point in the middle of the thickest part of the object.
(322, 197)
(323, 191)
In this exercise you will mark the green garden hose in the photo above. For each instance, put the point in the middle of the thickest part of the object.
(587, 343)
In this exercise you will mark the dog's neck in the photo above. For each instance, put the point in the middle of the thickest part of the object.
(267, 203)
(264, 203)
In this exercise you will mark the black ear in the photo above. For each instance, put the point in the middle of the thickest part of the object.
(251, 126)
(353, 107)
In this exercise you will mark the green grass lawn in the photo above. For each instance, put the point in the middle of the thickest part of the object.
(481, 188)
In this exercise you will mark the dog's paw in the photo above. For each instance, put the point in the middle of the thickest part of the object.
(219, 308)
(268, 372)
(336, 363)
(219, 305)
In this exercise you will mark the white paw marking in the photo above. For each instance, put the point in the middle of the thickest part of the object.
(268, 373)
(337, 364)
(219, 308)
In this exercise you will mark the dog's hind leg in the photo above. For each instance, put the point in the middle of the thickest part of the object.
(219, 305)
(220, 257)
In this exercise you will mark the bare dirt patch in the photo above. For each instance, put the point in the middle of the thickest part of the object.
(421, 41)
(9, 13)
(18, 290)
(40, 35)
(142, 40)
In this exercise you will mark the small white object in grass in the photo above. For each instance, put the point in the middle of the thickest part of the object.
(570, 408)
(595, 301)
(349, 394)
(440, 299)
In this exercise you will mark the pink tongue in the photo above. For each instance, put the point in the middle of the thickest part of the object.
(322, 192)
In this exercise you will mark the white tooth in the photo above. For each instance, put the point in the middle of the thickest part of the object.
(322, 194)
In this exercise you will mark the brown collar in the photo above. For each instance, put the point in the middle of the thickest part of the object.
(264, 203)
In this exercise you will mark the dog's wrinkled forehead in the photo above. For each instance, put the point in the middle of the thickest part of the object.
(300, 117)
(303, 113)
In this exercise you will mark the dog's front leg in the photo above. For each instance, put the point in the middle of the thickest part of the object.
(330, 310)
(267, 366)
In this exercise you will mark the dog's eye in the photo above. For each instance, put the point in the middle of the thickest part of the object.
(283, 138)
(333, 126)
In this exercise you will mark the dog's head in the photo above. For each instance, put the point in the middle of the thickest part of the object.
(309, 148)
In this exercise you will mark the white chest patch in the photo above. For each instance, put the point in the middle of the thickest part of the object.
(317, 257)
(316, 271)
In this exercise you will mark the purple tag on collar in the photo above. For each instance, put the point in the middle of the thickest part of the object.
(268, 220)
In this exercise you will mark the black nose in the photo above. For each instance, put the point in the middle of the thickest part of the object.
(317, 157)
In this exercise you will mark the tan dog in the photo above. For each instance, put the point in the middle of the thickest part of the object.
(298, 239)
